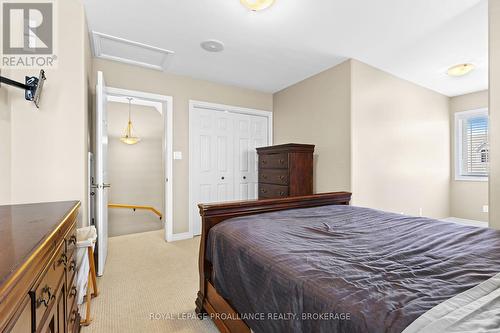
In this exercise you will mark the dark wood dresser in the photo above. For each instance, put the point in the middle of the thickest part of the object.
(285, 170)
(38, 268)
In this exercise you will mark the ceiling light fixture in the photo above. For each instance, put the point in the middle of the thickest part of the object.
(460, 70)
(128, 136)
(212, 45)
(257, 5)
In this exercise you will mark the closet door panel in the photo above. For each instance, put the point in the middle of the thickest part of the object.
(251, 133)
(242, 157)
(224, 159)
(258, 138)
(203, 186)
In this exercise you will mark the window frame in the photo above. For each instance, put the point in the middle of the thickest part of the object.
(458, 129)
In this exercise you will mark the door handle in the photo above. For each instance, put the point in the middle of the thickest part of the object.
(222, 177)
(106, 185)
(244, 177)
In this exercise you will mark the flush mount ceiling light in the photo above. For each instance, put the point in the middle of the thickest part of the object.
(128, 137)
(212, 45)
(257, 5)
(460, 70)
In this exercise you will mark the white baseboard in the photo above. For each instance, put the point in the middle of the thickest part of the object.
(181, 236)
(466, 222)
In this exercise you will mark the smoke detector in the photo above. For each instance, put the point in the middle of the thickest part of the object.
(212, 45)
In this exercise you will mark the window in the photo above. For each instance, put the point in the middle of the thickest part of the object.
(472, 147)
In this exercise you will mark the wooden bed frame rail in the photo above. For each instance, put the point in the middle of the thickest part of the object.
(209, 300)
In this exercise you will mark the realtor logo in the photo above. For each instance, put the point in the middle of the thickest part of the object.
(28, 34)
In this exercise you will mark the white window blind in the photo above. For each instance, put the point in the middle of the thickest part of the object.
(472, 144)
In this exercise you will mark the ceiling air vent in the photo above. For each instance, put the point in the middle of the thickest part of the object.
(123, 50)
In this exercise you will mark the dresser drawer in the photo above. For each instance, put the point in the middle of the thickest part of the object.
(273, 161)
(72, 316)
(274, 176)
(71, 269)
(268, 191)
(44, 293)
(71, 292)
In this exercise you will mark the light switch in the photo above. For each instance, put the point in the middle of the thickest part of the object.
(177, 155)
(485, 209)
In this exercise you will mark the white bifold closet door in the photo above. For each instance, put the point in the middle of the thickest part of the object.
(224, 159)
(251, 132)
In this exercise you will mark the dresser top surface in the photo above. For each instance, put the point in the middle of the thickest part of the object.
(24, 227)
(287, 147)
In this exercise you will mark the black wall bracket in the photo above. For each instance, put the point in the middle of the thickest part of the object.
(32, 86)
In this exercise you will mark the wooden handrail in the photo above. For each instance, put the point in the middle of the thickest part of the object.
(134, 207)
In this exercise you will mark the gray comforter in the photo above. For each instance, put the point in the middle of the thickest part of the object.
(344, 268)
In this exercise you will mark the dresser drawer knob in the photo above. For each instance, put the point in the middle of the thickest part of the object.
(282, 177)
(45, 301)
(264, 162)
(282, 193)
(72, 265)
(73, 316)
(72, 240)
(264, 176)
(41, 301)
(62, 260)
(264, 190)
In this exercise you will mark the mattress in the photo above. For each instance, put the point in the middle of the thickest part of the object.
(344, 268)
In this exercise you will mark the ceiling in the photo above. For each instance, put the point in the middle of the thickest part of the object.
(416, 40)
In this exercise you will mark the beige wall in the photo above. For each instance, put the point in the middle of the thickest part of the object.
(5, 152)
(375, 134)
(49, 145)
(135, 171)
(494, 107)
(400, 144)
(182, 89)
(317, 111)
(467, 198)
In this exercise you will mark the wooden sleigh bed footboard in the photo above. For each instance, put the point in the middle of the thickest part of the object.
(209, 301)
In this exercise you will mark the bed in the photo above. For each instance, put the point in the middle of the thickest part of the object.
(316, 264)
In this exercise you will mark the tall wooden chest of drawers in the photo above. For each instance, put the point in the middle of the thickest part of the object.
(285, 170)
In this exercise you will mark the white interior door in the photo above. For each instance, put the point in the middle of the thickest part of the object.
(102, 185)
(212, 160)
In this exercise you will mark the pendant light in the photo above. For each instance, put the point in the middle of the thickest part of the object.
(256, 5)
(128, 136)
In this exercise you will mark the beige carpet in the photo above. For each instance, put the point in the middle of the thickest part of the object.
(145, 277)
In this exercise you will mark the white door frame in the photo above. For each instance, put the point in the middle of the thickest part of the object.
(221, 108)
(164, 104)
